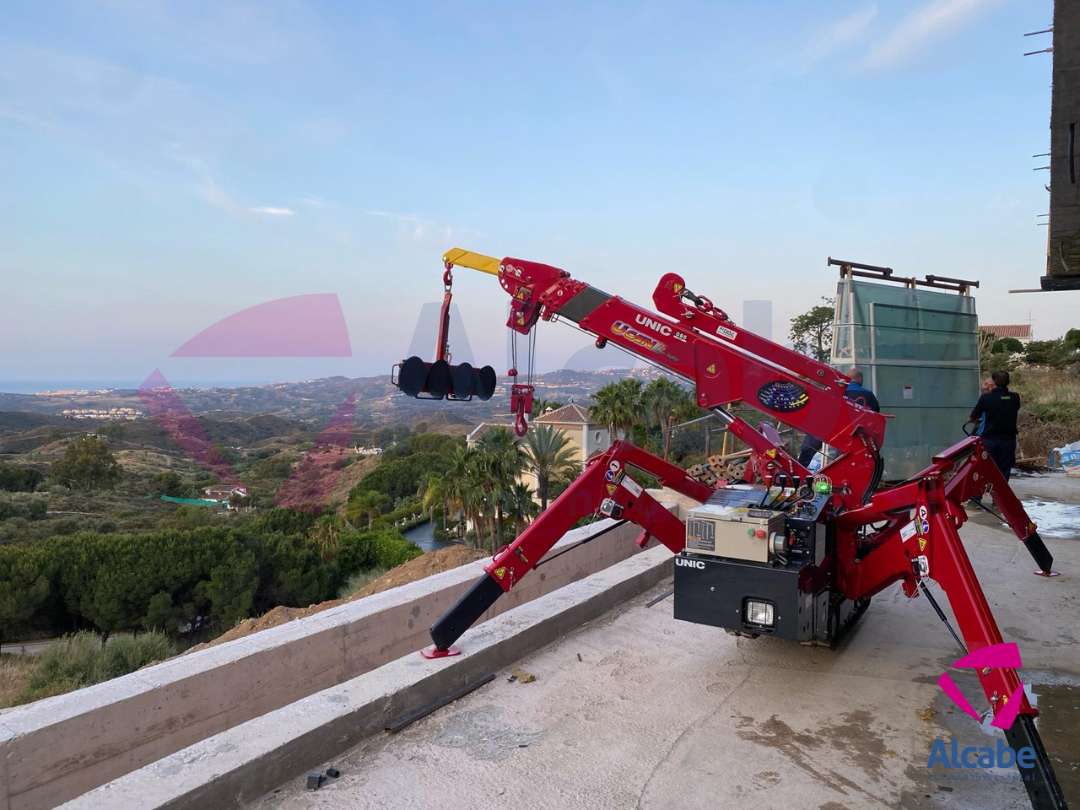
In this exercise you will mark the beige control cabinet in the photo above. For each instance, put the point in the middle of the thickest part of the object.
(740, 533)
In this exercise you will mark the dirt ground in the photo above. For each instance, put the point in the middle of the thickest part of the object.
(423, 566)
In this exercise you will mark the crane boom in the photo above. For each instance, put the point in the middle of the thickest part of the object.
(802, 569)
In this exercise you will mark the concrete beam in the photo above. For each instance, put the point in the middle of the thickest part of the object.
(241, 764)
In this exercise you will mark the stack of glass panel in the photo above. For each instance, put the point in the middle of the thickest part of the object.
(919, 353)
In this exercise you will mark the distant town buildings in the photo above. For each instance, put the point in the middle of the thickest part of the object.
(74, 392)
(224, 493)
(757, 317)
(105, 414)
(368, 451)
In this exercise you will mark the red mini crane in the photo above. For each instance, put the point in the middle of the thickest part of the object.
(801, 564)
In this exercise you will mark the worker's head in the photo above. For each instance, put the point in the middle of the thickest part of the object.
(987, 385)
(855, 374)
(1001, 379)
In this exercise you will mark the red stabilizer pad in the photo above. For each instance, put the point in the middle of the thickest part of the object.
(435, 652)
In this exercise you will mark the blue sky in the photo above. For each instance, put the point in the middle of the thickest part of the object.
(167, 164)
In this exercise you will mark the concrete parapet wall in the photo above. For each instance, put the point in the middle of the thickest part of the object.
(58, 748)
(243, 763)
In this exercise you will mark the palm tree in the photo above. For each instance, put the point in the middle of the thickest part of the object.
(460, 486)
(666, 401)
(549, 457)
(501, 461)
(368, 504)
(618, 406)
(520, 507)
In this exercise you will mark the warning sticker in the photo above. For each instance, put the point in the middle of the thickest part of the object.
(907, 531)
(632, 486)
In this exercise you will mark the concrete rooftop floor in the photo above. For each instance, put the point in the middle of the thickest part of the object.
(639, 710)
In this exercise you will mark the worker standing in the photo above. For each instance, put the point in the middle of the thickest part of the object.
(1000, 408)
(855, 391)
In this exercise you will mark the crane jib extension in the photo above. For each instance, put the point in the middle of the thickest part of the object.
(874, 537)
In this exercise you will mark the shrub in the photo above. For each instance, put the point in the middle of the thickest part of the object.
(82, 659)
(124, 654)
(378, 549)
(19, 479)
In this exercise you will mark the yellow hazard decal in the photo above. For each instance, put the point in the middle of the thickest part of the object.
(711, 369)
(500, 572)
(610, 489)
(677, 287)
(922, 544)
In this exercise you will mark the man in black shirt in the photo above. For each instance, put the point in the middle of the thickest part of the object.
(1000, 407)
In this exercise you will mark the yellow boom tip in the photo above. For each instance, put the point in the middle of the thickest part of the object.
(459, 257)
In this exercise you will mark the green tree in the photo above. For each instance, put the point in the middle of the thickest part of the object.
(24, 586)
(618, 406)
(159, 612)
(667, 402)
(500, 461)
(811, 332)
(87, 464)
(549, 457)
(19, 479)
(169, 483)
(1053, 353)
(542, 406)
(366, 504)
(1007, 344)
(520, 507)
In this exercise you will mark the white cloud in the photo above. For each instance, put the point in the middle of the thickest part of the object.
(272, 211)
(914, 31)
(834, 36)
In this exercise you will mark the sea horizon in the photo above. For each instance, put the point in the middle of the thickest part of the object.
(44, 386)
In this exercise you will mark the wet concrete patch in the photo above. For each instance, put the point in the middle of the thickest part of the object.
(1059, 725)
(1060, 521)
(852, 736)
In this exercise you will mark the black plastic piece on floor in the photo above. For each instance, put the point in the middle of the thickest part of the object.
(424, 711)
(464, 614)
(1043, 789)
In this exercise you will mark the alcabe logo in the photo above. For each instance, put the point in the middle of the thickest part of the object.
(996, 656)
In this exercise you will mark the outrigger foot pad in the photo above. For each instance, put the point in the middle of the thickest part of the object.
(464, 614)
(1040, 781)
(1040, 553)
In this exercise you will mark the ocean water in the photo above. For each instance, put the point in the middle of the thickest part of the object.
(38, 386)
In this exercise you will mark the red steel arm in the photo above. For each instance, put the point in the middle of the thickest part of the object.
(694, 340)
(605, 487)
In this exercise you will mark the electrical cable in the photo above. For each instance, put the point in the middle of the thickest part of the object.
(987, 509)
(941, 614)
(603, 531)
